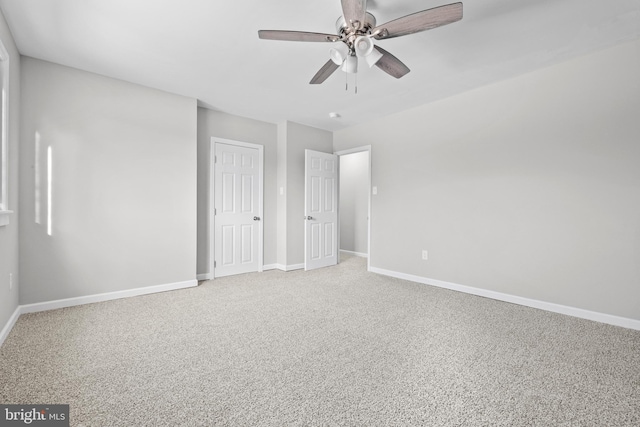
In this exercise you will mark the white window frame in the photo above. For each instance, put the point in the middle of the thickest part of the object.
(4, 137)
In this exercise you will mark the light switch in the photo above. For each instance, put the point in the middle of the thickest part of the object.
(374, 190)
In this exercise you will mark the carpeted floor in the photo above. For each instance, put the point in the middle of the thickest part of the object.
(331, 347)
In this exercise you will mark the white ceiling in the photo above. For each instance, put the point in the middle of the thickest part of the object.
(210, 50)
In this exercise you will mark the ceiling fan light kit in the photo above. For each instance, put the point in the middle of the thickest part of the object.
(357, 29)
(364, 48)
(373, 58)
(350, 64)
(336, 56)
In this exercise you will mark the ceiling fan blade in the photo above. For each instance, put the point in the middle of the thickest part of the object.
(297, 36)
(419, 21)
(390, 64)
(324, 72)
(354, 12)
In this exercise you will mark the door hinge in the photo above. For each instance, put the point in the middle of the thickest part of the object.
(215, 211)
(214, 264)
(215, 159)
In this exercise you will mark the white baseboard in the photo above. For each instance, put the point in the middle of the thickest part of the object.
(7, 328)
(360, 254)
(542, 305)
(283, 267)
(267, 267)
(70, 302)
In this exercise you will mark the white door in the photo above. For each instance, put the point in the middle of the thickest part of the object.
(237, 210)
(321, 210)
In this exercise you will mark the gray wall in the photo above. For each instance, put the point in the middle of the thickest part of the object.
(298, 138)
(529, 187)
(123, 185)
(354, 202)
(9, 233)
(227, 126)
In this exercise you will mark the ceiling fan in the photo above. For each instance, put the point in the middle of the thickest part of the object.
(357, 29)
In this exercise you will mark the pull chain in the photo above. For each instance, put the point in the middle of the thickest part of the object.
(356, 82)
(346, 80)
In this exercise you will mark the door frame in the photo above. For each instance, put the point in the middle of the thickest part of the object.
(344, 153)
(212, 200)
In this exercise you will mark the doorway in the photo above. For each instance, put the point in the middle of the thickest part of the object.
(237, 207)
(321, 210)
(355, 201)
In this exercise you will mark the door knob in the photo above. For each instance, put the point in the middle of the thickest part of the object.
(309, 218)
(256, 218)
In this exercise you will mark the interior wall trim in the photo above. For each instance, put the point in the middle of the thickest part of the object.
(266, 267)
(10, 323)
(528, 302)
(89, 299)
(283, 267)
(360, 254)
(108, 296)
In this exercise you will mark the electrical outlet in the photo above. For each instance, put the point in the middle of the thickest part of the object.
(425, 254)
(10, 281)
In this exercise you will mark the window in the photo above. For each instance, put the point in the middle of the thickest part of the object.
(4, 136)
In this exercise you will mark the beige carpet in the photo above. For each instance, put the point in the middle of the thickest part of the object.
(331, 347)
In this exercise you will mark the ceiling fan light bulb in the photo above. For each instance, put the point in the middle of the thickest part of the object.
(363, 46)
(350, 65)
(372, 58)
(336, 56)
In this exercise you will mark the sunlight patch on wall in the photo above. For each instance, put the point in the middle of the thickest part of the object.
(49, 188)
(37, 178)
